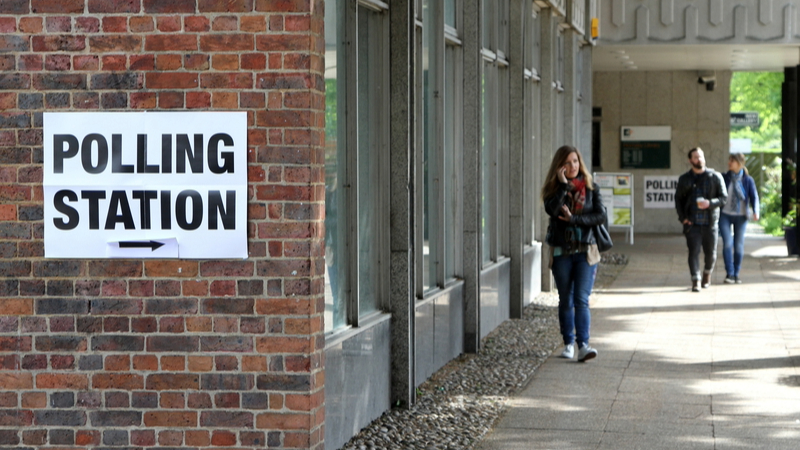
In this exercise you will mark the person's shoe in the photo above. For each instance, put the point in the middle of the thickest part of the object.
(569, 351)
(586, 353)
(730, 280)
(706, 280)
(737, 280)
(695, 285)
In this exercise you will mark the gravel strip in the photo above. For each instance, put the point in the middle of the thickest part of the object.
(460, 403)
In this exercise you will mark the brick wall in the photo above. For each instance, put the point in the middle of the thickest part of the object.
(165, 353)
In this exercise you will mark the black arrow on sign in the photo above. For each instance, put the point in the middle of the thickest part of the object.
(133, 244)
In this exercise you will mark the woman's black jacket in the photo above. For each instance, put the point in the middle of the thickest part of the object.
(594, 213)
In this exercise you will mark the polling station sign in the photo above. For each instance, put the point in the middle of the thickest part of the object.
(659, 191)
(145, 185)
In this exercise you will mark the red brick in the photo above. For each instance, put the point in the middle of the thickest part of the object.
(254, 364)
(225, 23)
(178, 419)
(224, 100)
(283, 306)
(115, 24)
(172, 381)
(31, 63)
(297, 440)
(122, 43)
(171, 42)
(275, 22)
(198, 100)
(272, 344)
(86, 62)
(238, 80)
(297, 23)
(87, 437)
(114, 62)
(225, 62)
(87, 24)
(196, 23)
(57, 6)
(62, 362)
(117, 363)
(196, 61)
(169, 6)
(143, 100)
(170, 438)
(282, 421)
(114, 6)
(200, 363)
(62, 381)
(275, 61)
(225, 5)
(124, 381)
(254, 61)
(34, 400)
(8, 25)
(145, 438)
(16, 380)
(223, 288)
(223, 438)
(253, 24)
(142, 62)
(199, 324)
(195, 287)
(166, 268)
(226, 42)
(145, 362)
(58, 24)
(198, 438)
(141, 24)
(156, 80)
(168, 24)
(31, 25)
(282, 43)
(172, 400)
(15, 344)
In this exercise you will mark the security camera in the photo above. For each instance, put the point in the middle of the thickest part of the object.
(710, 85)
(707, 79)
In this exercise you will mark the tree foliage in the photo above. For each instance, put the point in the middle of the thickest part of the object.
(758, 91)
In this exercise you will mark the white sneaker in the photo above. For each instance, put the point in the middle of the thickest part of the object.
(569, 351)
(586, 353)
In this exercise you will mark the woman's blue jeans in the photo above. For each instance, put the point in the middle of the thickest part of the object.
(732, 243)
(574, 280)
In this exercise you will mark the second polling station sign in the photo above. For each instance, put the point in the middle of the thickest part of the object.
(145, 185)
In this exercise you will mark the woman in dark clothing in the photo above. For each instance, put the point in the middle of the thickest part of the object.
(742, 193)
(574, 205)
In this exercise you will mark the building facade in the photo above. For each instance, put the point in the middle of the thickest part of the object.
(394, 154)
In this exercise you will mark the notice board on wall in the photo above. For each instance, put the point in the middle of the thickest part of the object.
(617, 192)
(645, 147)
(145, 185)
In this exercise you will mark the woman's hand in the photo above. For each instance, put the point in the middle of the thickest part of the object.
(566, 216)
(562, 174)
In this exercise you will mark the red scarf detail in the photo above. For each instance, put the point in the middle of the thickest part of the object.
(577, 195)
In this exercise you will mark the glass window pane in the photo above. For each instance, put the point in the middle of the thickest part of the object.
(335, 261)
(372, 91)
(452, 186)
(487, 161)
(430, 174)
(450, 13)
(501, 157)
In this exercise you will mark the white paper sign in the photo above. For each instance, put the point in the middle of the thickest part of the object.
(145, 185)
(659, 191)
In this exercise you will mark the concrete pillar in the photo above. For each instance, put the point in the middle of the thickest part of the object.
(517, 187)
(473, 68)
(401, 49)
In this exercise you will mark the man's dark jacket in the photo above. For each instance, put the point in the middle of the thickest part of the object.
(594, 213)
(684, 194)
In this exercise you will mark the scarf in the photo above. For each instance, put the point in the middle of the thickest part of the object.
(737, 190)
(576, 197)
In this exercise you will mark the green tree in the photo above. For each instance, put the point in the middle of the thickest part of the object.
(761, 92)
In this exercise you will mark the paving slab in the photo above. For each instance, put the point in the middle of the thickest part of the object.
(718, 369)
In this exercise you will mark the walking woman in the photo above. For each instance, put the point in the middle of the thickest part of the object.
(742, 193)
(574, 205)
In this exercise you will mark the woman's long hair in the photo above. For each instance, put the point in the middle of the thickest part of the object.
(559, 159)
(739, 157)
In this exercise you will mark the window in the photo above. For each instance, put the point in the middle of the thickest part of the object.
(495, 134)
(532, 51)
(440, 143)
(356, 165)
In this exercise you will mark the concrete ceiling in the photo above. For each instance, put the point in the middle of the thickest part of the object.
(761, 58)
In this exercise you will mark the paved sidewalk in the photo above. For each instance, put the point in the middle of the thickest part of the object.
(719, 369)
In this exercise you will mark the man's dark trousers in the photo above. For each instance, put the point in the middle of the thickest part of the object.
(702, 237)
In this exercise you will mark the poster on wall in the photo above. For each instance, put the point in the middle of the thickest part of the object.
(145, 185)
(645, 147)
(659, 191)
(617, 192)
